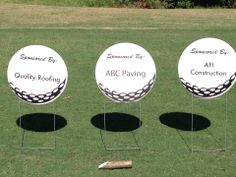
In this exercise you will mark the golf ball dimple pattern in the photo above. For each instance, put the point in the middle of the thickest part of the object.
(208, 92)
(127, 97)
(40, 98)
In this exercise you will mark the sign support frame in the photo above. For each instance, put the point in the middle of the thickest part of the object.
(225, 125)
(103, 133)
(23, 131)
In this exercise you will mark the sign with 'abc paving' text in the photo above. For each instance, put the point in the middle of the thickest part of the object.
(125, 72)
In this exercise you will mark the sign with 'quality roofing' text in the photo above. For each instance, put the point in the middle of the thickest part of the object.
(37, 74)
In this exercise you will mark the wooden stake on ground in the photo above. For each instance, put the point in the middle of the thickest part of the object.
(116, 164)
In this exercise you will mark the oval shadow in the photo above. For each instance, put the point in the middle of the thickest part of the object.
(41, 122)
(116, 122)
(183, 121)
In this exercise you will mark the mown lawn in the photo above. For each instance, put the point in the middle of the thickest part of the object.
(80, 35)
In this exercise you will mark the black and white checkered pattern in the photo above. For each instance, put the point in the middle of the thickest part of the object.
(208, 92)
(40, 98)
(127, 97)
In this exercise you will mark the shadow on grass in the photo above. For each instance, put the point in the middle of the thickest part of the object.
(183, 121)
(41, 122)
(116, 122)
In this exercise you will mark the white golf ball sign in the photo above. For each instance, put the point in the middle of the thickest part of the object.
(37, 74)
(207, 67)
(125, 72)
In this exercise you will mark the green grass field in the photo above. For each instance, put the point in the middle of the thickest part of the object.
(80, 35)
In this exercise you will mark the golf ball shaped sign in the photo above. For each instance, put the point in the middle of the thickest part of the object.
(37, 74)
(125, 72)
(207, 67)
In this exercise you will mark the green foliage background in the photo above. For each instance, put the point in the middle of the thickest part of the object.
(133, 3)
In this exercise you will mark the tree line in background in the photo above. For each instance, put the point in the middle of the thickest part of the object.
(151, 4)
(176, 3)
